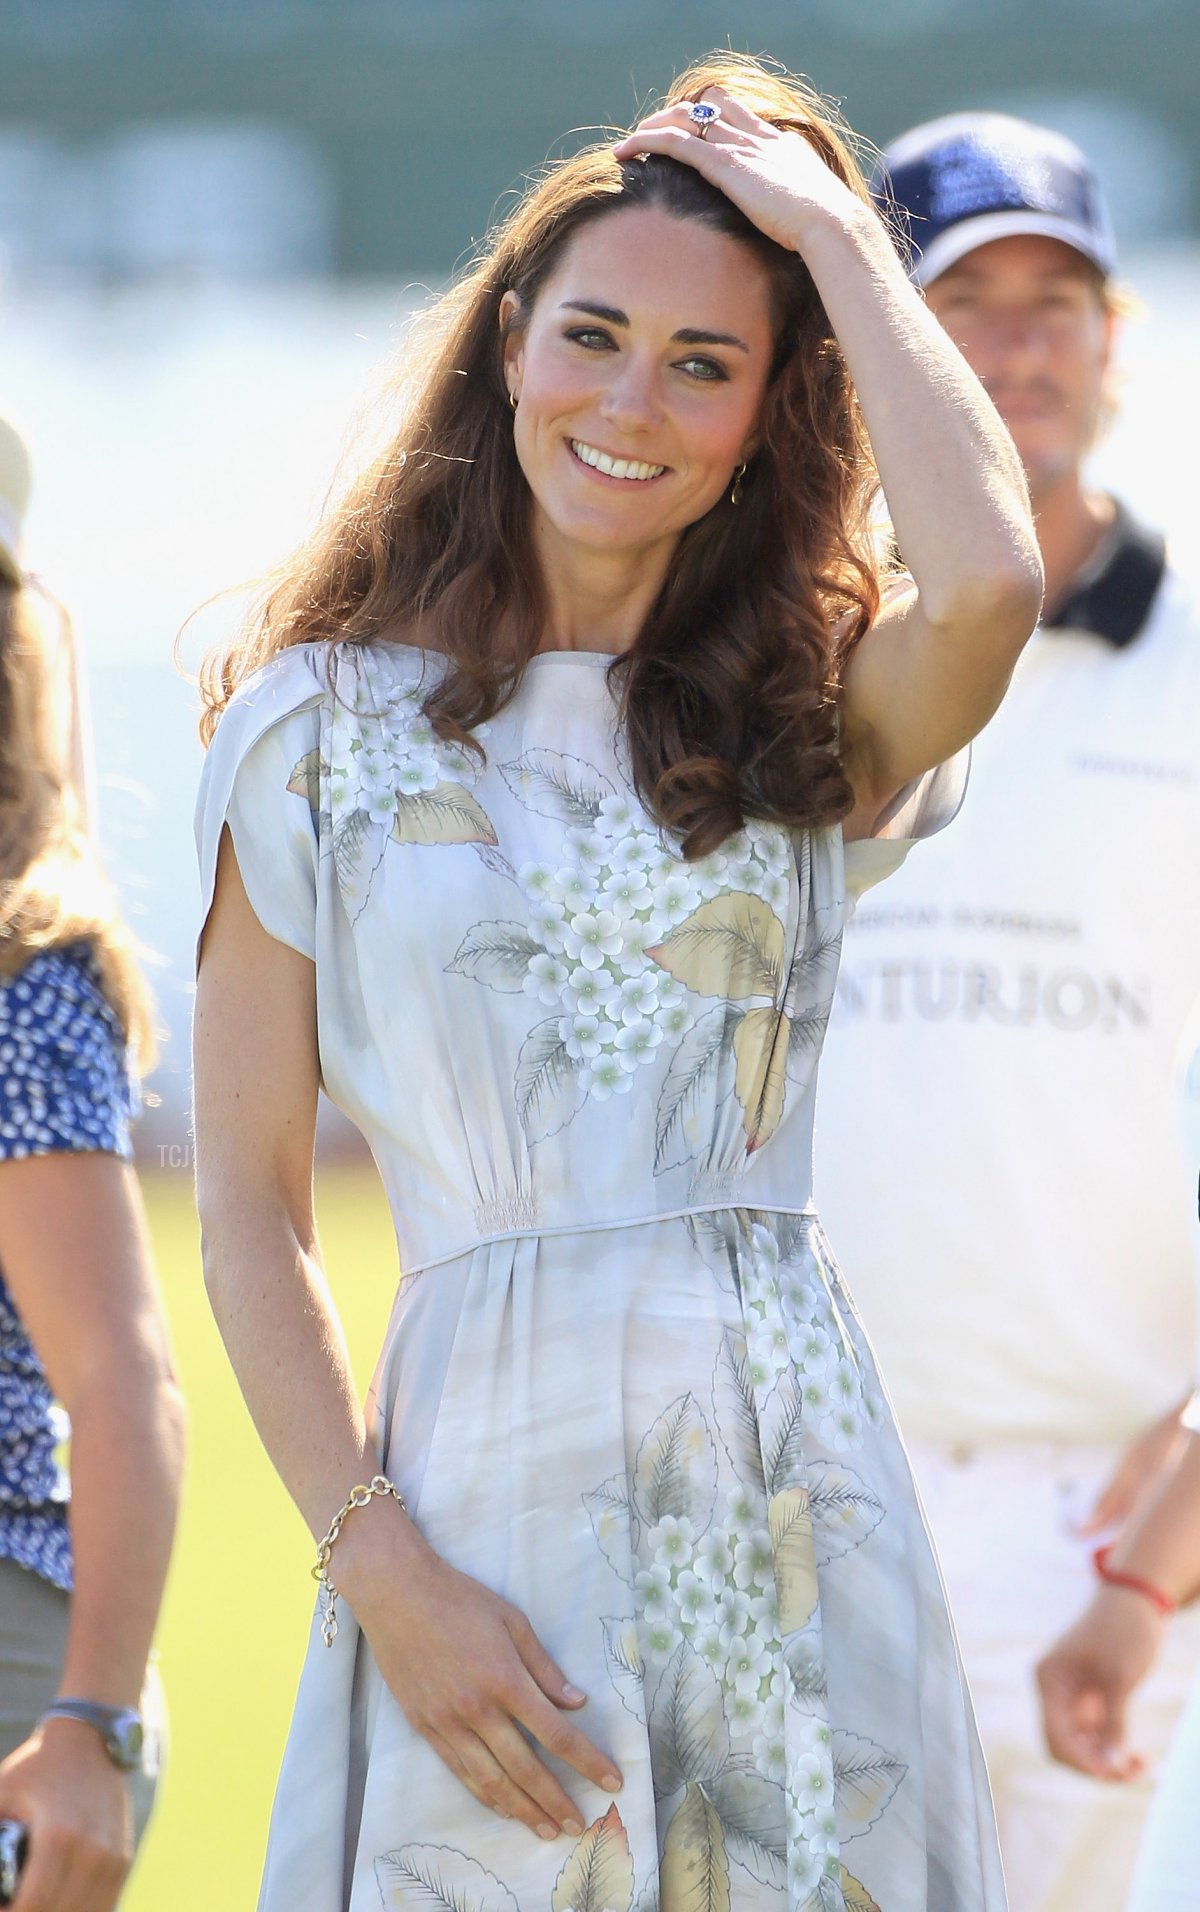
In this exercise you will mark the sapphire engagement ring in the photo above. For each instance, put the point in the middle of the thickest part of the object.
(703, 115)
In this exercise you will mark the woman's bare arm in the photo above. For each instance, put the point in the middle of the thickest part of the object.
(74, 1250)
(256, 1084)
(75, 1254)
(464, 1664)
(934, 666)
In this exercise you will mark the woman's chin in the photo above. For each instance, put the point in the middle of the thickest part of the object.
(625, 526)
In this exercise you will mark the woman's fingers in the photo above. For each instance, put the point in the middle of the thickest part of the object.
(483, 1676)
(537, 1662)
(731, 116)
(671, 139)
(563, 1738)
(733, 112)
(555, 1809)
(498, 1765)
(473, 1762)
(558, 1735)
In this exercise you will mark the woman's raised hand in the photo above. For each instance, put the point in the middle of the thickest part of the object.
(472, 1678)
(778, 179)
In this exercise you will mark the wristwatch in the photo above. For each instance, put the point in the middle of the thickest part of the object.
(118, 1726)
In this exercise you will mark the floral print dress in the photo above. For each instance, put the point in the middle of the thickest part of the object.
(623, 1383)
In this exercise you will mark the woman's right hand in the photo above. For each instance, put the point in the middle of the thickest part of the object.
(62, 1784)
(469, 1673)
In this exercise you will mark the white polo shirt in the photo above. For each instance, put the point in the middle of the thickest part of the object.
(999, 1156)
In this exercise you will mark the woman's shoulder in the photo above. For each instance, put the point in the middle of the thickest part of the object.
(296, 675)
(330, 672)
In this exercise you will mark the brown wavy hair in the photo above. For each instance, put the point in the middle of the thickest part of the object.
(728, 695)
(53, 890)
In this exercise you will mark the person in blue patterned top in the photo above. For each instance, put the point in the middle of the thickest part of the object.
(83, 1346)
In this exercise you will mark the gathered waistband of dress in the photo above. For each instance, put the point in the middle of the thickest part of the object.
(539, 1230)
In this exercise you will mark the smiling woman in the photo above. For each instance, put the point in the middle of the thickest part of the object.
(532, 841)
(656, 318)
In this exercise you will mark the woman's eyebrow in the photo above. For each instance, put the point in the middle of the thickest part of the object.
(688, 335)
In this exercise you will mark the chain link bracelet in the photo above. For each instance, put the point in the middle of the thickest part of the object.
(380, 1488)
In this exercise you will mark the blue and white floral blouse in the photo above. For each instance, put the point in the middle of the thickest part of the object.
(63, 1086)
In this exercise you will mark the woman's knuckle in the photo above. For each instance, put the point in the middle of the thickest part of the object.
(508, 1692)
(471, 1706)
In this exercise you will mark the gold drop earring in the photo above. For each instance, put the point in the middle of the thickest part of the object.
(735, 495)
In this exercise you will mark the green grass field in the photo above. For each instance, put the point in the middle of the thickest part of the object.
(239, 1601)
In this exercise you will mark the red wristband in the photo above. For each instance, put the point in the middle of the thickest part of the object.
(1113, 1577)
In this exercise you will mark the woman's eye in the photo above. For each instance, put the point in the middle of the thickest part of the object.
(704, 368)
(590, 337)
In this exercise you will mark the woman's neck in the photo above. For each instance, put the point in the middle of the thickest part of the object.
(596, 600)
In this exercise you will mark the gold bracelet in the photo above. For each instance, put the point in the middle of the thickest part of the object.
(380, 1487)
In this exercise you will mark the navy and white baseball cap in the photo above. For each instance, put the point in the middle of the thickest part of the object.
(961, 181)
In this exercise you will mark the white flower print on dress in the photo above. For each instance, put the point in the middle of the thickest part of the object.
(603, 945)
(702, 1675)
(727, 1621)
(385, 776)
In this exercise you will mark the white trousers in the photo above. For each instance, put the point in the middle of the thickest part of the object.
(1017, 1577)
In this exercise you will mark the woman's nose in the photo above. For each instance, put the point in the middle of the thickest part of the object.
(631, 399)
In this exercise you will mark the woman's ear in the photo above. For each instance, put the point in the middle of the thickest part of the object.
(514, 346)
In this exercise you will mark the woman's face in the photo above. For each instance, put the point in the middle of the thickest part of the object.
(640, 377)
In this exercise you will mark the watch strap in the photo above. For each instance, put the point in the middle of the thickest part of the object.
(111, 1722)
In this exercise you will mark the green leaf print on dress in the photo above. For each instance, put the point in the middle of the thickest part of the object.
(438, 1879)
(556, 786)
(694, 1875)
(614, 1523)
(621, 935)
(675, 1477)
(305, 780)
(389, 778)
(855, 1897)
(689, 1736)
(445, 814)
(597, 1877)
(733, 946)
(728, 1525)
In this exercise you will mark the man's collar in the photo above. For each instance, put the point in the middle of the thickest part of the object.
(1113, 595)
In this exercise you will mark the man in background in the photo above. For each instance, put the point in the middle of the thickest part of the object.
(1000, 1077)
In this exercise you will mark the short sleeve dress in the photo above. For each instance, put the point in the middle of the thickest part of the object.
(623, 1383)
